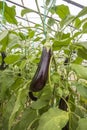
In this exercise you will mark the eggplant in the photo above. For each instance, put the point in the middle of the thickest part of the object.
(63, 106)
(3, 66)
(41, 75)
(66, 62)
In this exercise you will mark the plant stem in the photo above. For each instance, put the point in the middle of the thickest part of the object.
(39, 12)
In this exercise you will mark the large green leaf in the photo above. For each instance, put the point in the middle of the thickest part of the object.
(80, 70)
(82, 124)
(53, 119)
(9, 13)
(62, 11)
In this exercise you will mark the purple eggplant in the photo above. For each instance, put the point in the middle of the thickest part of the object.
(3, 65)
(41, 75)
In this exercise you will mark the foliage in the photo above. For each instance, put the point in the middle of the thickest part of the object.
(22, 47)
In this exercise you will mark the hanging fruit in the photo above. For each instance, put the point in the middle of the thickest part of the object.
(41, 75)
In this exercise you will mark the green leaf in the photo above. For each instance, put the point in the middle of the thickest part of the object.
(62, 10)
(82, 52)
(83, 44)
(19, 101)
(48, 2)
(29, 115)
(53, 119)
(17, 84)
(9, 13)
(25, 11)
(12, 58)
(73, 121)
(3, 35)
(80, 70)
(82, 90)
(51, 21)
(4, 39)
(77, 23)
(7, 111)
(31, 33)
(85, 26)
(80, 111)
(39, 104)
(78, 60)
(61, 43)
(82, 12)
(67, 20)
(82, 124)
(6, 80)
(37, 39)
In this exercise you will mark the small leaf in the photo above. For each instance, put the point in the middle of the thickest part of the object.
(83, 44)
(25, 11)
(3, 35)
(47, 2)
(67, 20)
(82, 90)
(78, 60)
(85, 26)
(38, 104)
(77, 23)
(82, 12)
(12, 58)
(51, 21)
(31, 33)
(53, 119)
(82, 124)
(62, 43)
(4, 39)
(82, 52)
(80, 70)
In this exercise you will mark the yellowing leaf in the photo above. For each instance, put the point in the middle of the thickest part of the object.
(53, 119)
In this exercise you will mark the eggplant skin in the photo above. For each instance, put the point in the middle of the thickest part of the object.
(41, 75)
(3, 66)
(63, 106)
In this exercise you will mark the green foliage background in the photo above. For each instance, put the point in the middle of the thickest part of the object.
(23, 46)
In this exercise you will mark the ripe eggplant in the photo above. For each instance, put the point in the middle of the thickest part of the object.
(3, 65)
(41, 75)
(63, 106)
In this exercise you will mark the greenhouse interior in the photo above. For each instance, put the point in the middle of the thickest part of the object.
(43, 64)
